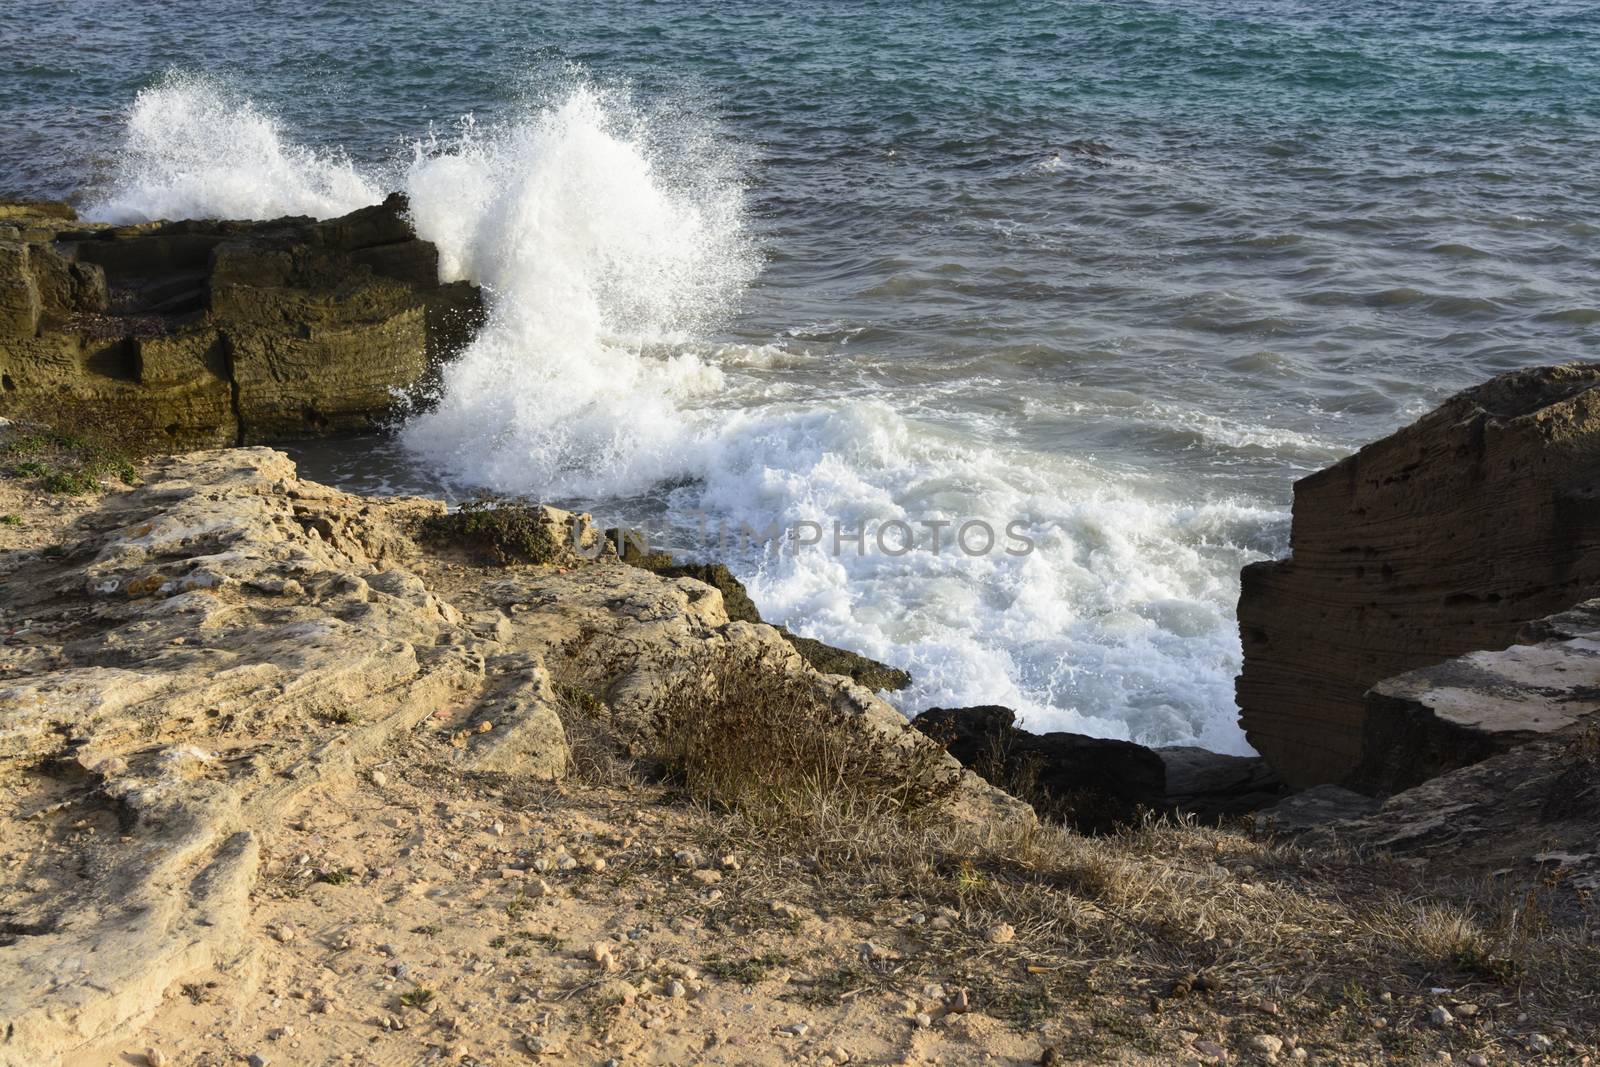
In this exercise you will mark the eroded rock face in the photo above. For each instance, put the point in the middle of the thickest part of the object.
(204, 333)
(204, 650)
(1444, 538)
(1434, 720)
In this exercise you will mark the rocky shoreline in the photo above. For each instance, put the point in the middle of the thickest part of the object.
(207, 656)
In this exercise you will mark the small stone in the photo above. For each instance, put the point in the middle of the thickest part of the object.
(497, 828)
(923, 1020)
(256, 1059)
(512, 873)
(1266, 1046)
(796, 1029)
(1440, 1016)
(959, 1003)
(1210, 1052)
(1539, 1043)
(1000, 934)
(686, 858)
(1466, 1011)
(596, 865)
(284, 933)
(541, 1046)
(730, 862)
(840, 1054)
(156, 1058)
(706, 877)
(380, 779)
(1477, 1059)
(675, 989)
(485, 726)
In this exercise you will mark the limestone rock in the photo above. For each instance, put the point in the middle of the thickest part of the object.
(1443, 538)
(214, 333)
(1430, 721)
(860, 669)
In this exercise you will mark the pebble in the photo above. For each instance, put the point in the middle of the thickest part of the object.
(1539, 1043)
(380, 779)
(706, 877)
(676, 989)
(840, 1054)
(1210, 1051)
(1001, 934)
(284, 933)
(156, 1058)
(959, 1003)
(796, 1029)
(686, 858)
(256, 1059)
(1267, 1046)
(497, 828)
(922, 1019)
(1440, 1016)
(1477, 1059)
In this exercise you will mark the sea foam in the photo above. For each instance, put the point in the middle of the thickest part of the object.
(191, 148)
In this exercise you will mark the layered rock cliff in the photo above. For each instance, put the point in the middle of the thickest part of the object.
(204, 333)
(1448, 537)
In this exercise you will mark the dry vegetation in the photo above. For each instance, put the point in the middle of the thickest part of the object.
(1161, 928)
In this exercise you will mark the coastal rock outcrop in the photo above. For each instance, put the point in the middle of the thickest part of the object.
(862, 670)
(207, 333)
(1433, 720)
(1447, 537)
(1097, 783)
(196, 655)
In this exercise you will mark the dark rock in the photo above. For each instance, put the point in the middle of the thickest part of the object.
(1315, 807)
(860, 669)
(825, 658)
(1091, 783)
(1525, 817)
(1212, 785)
(1444, 538)
(204, 333)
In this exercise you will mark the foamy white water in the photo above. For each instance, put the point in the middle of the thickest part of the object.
(611, 244)
(193, 149)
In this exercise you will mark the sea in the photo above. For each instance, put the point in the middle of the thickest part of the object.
(828, 290)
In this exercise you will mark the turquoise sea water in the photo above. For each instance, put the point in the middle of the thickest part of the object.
(1121, 270)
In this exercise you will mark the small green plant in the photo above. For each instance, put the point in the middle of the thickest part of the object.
(10, 520)
(747, 971)
(418, 997)
(334, 877)
(67, 462)
(428, 929)
(498, 529)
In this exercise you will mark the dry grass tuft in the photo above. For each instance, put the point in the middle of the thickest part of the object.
(767, 745)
